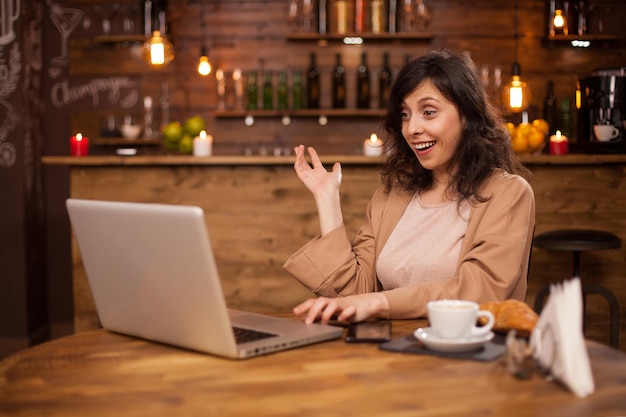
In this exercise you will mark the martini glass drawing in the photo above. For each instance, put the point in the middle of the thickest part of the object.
(66, 21)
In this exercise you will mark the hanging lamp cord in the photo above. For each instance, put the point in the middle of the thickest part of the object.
(515, 34)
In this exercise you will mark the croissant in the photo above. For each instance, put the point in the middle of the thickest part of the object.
(511, 315)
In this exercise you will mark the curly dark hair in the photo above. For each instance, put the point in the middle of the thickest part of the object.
(485, 143)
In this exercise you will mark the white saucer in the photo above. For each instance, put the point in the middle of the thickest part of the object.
(426, 336)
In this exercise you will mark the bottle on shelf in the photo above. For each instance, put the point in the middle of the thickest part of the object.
(283, 91)
(322, 17)
(359, 16)
(339, 84)
(565, 119)
(407, 16)
(268, 91)
(147, 18)
(363, 83)
(296, 91)
(341, 16)
(252, 90)
(378, 15)
(313, 84)
(384, 82)
(422, 15)
(392, 24)
(148, 131)
(550, 110)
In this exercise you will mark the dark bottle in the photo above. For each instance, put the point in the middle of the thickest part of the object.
(363, 84)
(252, 90)
(565, 119)
(268, 91)
(550, 110)
(313, 84)
(339, 84)
(384, 83)
(296, 91)
(283, 91)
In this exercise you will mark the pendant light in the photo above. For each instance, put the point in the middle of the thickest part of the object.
(158, 50)
(516, 94)
(204, 66)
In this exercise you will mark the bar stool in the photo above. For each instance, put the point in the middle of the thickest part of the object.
(577, 241)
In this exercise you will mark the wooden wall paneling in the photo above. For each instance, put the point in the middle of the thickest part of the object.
(251, 35)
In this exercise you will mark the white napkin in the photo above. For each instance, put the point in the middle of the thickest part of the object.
(557, 342)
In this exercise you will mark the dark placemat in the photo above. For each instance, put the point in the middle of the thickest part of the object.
(490, 351)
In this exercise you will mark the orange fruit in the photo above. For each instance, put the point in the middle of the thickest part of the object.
(510, 127)
(519, 143)
(541, 125)
(535, 139)
(524, 129)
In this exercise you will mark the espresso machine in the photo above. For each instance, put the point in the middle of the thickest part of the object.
(602, 113)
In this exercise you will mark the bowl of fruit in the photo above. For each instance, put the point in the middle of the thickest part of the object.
(529, 137)
(178, 136)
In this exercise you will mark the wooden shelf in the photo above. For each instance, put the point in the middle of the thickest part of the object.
(373, 37)
(125, 142)
(233, 114)
(589, 38)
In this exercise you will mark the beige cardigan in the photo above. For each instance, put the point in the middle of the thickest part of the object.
(493, 263)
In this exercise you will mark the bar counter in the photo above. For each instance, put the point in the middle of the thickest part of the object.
(569, 159)
(258, 213)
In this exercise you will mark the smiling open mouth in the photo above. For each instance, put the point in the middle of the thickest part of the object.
(424, 145)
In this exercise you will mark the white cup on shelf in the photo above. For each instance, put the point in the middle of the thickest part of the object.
(605, 133)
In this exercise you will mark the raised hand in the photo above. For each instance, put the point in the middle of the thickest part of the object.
(315, 177)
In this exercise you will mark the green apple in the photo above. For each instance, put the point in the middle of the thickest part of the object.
(185, 145)
(194, 125)
(172, 131)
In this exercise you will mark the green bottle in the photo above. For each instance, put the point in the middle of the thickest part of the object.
(565, 119)
(253, 94)
(268, 91)
(283, 91)
(296, 90)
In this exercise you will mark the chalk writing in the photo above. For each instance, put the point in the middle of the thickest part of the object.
(62, 94)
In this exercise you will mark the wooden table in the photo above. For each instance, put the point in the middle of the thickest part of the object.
(98, 373)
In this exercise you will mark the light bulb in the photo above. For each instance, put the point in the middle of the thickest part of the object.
(204, 67)
(516, 94)
(559, 20)
(158, 50)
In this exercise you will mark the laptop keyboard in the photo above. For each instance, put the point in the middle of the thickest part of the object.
(247, 335)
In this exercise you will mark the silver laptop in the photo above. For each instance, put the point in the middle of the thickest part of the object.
(153, 275)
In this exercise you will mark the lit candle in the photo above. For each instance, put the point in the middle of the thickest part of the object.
(79, 145)
(203, 144)
(558, 144)
(373, 146)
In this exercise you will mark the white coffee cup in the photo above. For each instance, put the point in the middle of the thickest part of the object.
(605, 133)
(456, 319)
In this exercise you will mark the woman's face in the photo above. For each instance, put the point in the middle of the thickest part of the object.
(432, 127)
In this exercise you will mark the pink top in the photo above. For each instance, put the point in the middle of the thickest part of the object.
(411, 255)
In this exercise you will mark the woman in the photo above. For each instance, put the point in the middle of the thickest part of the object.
(452, 219)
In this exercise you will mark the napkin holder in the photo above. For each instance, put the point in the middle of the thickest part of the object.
(557, 342)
